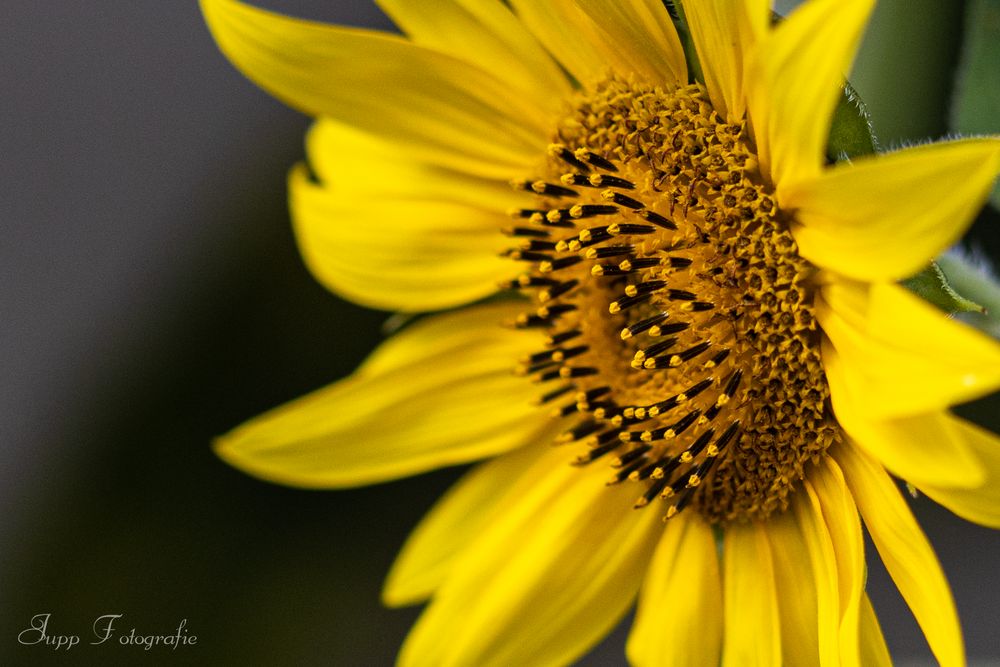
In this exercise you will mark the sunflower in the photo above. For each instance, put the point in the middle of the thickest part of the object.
(696, 316)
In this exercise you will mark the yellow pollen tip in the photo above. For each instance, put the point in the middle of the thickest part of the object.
(617, 420)
(682, 398)
(629, 412)
(545, 266)
(614, 228)
(565, 372)
(574, 245)
(641, 502)
(667, 492)
(538, 187)
(591, 253)
(655, 331)
(553, 216)
(558, 356)
(625, 334)
(537, 218)
(600, 413)
(640, 413)
(649, 363)
(597, 270)
(686, 457)
(555, 150)
(671, 511)
(624, 437)
(613, 307)
(586, 235)
(693, 481)
(712, 451)
(545, 295)
(595, 180)
(633, 476)
(654, 412)
(722, 400)
(675, 361)
(631, 290)
(608, 194)
(625, 265)
(561, 246)
(647, 436)
(657, 473)
(567, 179)
(576, 211)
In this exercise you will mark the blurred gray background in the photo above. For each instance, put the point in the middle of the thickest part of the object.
(152, 298)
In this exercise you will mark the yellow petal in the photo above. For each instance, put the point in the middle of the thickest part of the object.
(796, 587)
(368, 167)
(642, 33)
(571, 36)
(550, 575)
(923, 449)
(679, 620)
(458, 517)
(886, 217)
(840, 517)
(794, 79)
(427, 101)
(822, 557)
(906, 553)
(981, 503)
(753, 626)
(416, 406)
(724, 33)
(874, 652)
(900, 355)
(487, 35)
(401, 253)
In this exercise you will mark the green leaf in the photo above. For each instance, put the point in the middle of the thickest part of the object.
(851, 132)
(932, 285)
(976, 107)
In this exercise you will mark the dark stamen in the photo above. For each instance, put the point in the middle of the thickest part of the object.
(607, 181)
(642, 325)
(656, 219)
(622, 200)
(594, 159)
(567, 156)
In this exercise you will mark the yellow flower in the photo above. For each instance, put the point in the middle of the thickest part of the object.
(715, 328)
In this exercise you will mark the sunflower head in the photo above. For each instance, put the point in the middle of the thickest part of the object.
(680, 316)
(700, 320)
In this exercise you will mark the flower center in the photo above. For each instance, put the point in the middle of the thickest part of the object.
(680, 315)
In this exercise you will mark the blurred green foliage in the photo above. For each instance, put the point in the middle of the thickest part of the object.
(976, 104)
